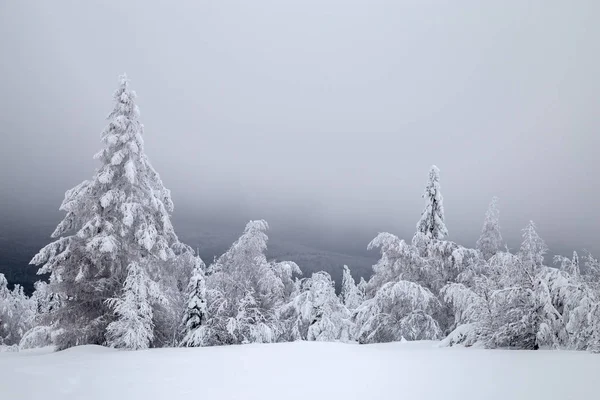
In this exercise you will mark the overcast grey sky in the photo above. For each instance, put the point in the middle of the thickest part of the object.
(323, 116)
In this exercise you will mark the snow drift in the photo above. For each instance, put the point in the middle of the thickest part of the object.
(299, 370)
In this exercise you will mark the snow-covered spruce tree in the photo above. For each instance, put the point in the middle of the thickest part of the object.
(490, 241)
(482, 298)
(575, 296)
(362, 287)
(591, 270)
(529, 318)
(195, 313)
(449, 262)
(351, 295)
(117, 219)
(399, 261)
(251, 324)
(400, 309)
(575, 270)
(518, 302)
(174, 279)
(244, 271)
(431, 225)
(398, 302)
(42, 333)
(431, 268)
(533, 249)
(17, 313)
(474, 310)
(315, 313)
(45, 300)
(133, 328)
(569, 265)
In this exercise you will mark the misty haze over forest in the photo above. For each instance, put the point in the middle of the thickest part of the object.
(327, 132)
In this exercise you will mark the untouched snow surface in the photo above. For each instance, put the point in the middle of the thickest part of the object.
(300, 370)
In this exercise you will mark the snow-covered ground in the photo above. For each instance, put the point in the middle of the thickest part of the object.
(300, 370)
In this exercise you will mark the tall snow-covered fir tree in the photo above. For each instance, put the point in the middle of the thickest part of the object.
(195, 314)
(431, 224)
(133, 328)
(118, 218)
(490, 241)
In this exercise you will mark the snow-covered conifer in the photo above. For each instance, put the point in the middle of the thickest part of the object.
(532, 251)
(17, 313)
(399, 261)
(591, 270)
(529, 317)
(449, 262)
(490, 240)
(402, 274)
(251, 324)
(569, 265)
(362, 287)
(431, 223)
(478, 302)
(195, 314)
(119, 217)
(315, 313)
(244, 271)
(133, 328)
(174, 279)
(474, 311)
(400, 309)
(351, 295)
(574, 270)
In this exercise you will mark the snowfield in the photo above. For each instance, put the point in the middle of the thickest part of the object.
(299, 370)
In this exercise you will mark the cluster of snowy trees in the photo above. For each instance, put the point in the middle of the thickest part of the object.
(119, 276)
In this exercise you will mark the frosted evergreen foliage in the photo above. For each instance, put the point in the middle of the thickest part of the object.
(527, 314)
(174, 279)
(351, 295)
(134, 327)
(474, 310)
(45, 300)
(569, 265)
(195, 315)
(431, 224)
(447, 261)
(532, 251)
(362, 287)
(518, 302)
(315, 313)
(17, 313)
(399, 261)
(490, 241)
(119, 217)
(251, 324)
(399, 303)
(575, 270)
(400, 309)
(242, 282)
